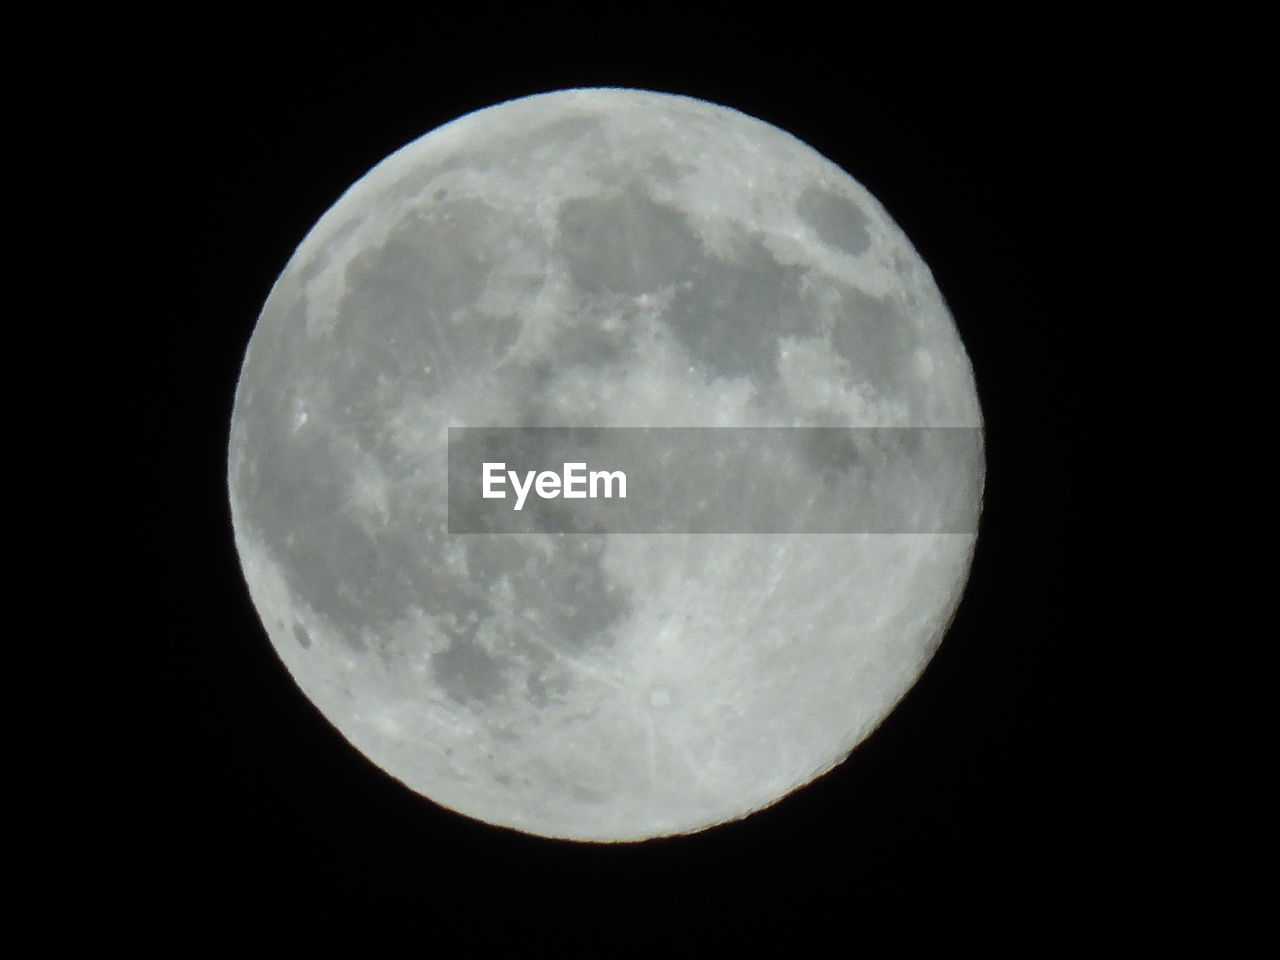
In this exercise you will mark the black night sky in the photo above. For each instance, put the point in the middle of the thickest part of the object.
(978, 791)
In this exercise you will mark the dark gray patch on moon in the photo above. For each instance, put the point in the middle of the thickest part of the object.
(534, 377)
(363, 573)
(466, 671)
(830, 454)
(836, 220)
(730, 315)
(667, 170)
(625, 243)
(878, 342)
(547, 686)
(411, 302)
(364, 583)
(588, 605)
(301, 635)
(571, 569)
(591, 345)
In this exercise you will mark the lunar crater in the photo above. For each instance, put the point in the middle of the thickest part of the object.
(837, 220)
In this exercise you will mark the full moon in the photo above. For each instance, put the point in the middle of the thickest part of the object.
(598, 258)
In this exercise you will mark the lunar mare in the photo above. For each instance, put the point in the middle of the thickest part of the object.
(601, 258)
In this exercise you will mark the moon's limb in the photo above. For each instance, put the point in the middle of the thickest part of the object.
(594, 258)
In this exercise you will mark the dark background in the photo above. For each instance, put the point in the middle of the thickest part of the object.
(980, 791)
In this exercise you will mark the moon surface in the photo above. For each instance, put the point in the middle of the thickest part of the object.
(591, 258)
